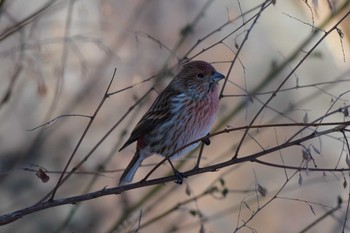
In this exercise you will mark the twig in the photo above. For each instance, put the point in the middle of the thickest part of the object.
(105, 96)
(287, 78)
(26, 21)
(255, 17)
(10, 217)
(54, 120)
(87, 156)
(318, 220)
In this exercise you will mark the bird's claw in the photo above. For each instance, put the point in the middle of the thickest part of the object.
(179, 177)
(206, 141)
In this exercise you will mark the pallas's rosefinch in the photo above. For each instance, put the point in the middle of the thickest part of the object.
(183, 112)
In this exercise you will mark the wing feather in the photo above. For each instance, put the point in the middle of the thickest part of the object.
(159, 112)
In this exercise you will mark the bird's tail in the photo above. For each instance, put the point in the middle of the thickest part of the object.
(131, 169)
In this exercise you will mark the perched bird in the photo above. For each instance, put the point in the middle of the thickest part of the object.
(183, 112)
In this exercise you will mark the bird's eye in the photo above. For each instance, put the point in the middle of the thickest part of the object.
(200, 75)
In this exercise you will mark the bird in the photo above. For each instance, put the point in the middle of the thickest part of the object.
(183, 112)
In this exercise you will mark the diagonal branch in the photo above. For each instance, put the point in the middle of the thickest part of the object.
(13, 216)
(92, 118)
(287, 78)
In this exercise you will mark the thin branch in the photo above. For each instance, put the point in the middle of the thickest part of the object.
(259, 209)
(105, 96)
(199, 41)
(339, 127)
(287, 78)
(318, 220)
(161, 45)
(347, 210)
(87, 156)
(26, 21)
(13, 216)
(54, 120)
(293, 88)
(255, 17)
(300, 168)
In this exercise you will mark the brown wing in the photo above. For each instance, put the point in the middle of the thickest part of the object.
(158, 113)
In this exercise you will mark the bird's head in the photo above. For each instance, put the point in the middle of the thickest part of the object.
(198, 78)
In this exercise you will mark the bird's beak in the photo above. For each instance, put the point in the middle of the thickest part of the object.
(216, 77)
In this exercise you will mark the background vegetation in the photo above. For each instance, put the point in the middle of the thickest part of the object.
(78, 75)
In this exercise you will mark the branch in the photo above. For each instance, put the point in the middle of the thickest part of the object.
(87, 156)
(287, 78)
(105, 96)
(26, 21)
(10, 217)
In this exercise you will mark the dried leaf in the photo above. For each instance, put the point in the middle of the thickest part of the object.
(193, 212)
(307, 171)
(306, 154)
(202, 229)
(222, 181)
(306, 118)
(246, 205)
(224, 192)
(41, 174)
(262, 190)
(188, 190)
(345, 183)
(347, 160)
(339, 200)
(188, 29)
(340, 33)
(312, 210)
(300, 181)
(315, 149)
(236, 44)
(42, 89)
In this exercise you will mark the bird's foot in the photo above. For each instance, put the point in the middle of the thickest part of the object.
(206, 141)
(179, 176)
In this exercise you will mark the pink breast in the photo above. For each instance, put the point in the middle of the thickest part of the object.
(200, 117)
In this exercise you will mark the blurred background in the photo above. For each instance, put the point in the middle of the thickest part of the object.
(57, 57)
